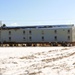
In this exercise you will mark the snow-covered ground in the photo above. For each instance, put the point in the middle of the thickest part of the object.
(37, 61)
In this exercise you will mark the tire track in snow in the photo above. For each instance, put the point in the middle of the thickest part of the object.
(58, 58)
(48, 60)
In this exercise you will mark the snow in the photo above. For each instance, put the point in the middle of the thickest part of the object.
(37, 60)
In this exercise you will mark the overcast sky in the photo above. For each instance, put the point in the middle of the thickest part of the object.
(37, 12)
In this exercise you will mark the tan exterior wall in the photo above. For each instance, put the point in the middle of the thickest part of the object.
(73, 34)
(49, 35)
(16, 35)
(38, 35)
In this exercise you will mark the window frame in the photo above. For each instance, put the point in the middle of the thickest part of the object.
(55, 37)
(23, 31)
(9, 38)
(9, 32)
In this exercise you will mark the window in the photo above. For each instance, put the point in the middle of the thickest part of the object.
(63, 30)
(55, 31)
(9, 32)
(23, 32)
(55, 37)
(30, 32)
(9, 38)
(42, 38)
(24, 38)
(68, 31)
(42, 32)
(30, 38)
(68, 37)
